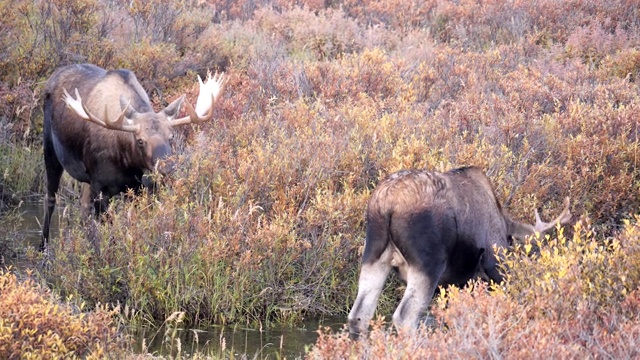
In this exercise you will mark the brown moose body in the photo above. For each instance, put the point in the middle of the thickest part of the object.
(435, 229)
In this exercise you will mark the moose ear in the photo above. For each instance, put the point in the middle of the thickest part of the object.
(125, 103)
(172, 110)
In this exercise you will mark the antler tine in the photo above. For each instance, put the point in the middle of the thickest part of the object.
(209, 93)
(192, 116)
(119, 122)
(563, 218)
(219, 80)
(81, 109)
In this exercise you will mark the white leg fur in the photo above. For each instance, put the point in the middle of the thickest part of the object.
(370, 285)
(415, 301)
(86, 200)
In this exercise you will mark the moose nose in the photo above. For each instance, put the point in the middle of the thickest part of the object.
(160, 151)
(160, 161)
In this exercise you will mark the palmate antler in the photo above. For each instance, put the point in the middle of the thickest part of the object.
(120, 123)
(208, 95)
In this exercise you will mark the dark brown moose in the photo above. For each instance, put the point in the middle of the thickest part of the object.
(108, 135)
(435, 229)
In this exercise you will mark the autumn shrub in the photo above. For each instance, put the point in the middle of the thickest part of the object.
(370, 72)
(155, 64)
(40, 35)
(20, 164)
(22, 169)
(263, 219)
(34, 323)
(162, 21)
(624, 63)
(239, 264)
(325, 35)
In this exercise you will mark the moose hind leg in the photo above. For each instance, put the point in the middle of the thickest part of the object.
(417, 296)
(371, 282)
(53, 170)
(86, 200)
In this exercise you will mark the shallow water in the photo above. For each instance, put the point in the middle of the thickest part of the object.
(21, 228)
(277, 342)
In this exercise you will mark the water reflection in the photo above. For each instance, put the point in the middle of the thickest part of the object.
(219, 341)
(20, 229)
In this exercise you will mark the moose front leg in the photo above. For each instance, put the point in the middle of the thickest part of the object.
(86, 200)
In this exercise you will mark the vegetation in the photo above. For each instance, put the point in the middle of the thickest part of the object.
(34, 325)
(263, 220)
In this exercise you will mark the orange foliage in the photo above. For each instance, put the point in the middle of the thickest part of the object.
(34, 324)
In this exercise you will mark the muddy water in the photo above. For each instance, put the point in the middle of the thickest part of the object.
(21, 228)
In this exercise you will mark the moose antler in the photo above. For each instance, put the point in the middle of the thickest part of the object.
(563, 218)
(209, 93)
(521, 230)
(81, 109)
